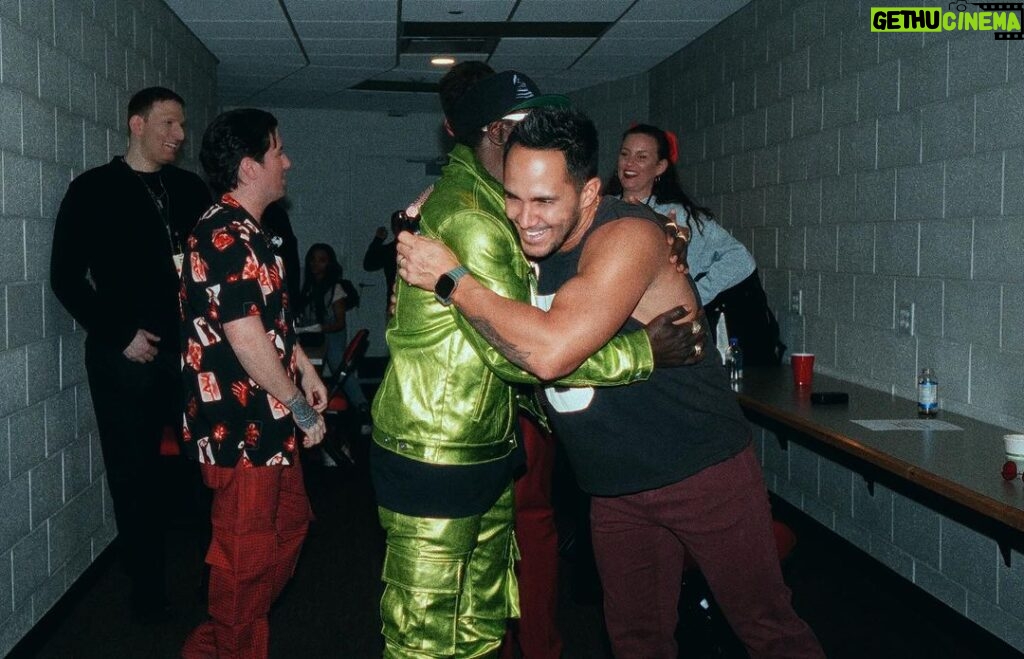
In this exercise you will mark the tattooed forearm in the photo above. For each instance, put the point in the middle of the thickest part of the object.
(508, 350)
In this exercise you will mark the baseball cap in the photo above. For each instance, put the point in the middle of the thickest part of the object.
(499, 95)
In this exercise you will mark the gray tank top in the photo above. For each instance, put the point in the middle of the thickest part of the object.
(627, 439)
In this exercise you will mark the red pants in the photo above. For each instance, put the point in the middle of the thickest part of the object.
(260, 516)
(536, 631)
(721, 517)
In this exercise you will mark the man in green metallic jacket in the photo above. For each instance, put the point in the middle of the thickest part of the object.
(445, 444)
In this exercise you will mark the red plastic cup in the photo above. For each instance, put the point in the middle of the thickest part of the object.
(803, 368)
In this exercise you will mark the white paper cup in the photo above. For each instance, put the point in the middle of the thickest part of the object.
(1014, 444)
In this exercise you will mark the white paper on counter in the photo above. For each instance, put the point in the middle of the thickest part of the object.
(905, 424)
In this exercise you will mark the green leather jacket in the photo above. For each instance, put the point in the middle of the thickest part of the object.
(445, 397)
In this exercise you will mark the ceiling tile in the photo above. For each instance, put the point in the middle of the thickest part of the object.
(244, 67)
(679, 10)
(350, 47)
(225, 10)
(440, 11)
(347, 29)
(351, 41)
(511, 46)
(235, 48)
(207, 29)
(570, 10)
(369, 61)
(342, 10)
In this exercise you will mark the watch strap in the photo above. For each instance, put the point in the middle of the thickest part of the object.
(453, 276)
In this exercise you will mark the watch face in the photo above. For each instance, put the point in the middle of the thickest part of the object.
(444, 287)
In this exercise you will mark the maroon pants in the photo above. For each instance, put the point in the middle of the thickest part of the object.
(260, 516)
(721, 517)
(536, 631)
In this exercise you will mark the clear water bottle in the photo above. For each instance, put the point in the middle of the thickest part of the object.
(927, 394)
(734, 360)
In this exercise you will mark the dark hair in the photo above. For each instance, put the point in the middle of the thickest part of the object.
(666, 188)
(313, 291)
(560, 129)
(459, 78)
(453, 87)
(230, 137)
(144, 100)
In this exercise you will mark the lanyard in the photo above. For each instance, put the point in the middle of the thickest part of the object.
(162, 201)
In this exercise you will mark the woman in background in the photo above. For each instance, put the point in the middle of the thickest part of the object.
(322, 304)
(646, 174)
(724, 271)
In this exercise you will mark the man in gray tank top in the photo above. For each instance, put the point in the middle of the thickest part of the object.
(668, 460)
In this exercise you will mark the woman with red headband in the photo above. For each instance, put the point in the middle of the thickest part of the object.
(646, 174)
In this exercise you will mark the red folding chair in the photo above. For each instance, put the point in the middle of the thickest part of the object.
(342, 421)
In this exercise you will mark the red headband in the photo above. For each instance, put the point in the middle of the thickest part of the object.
(673, 146)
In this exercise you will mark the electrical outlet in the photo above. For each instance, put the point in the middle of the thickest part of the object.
(796, 302)
(905, 319)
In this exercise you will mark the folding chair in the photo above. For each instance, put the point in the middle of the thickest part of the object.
(339, 416)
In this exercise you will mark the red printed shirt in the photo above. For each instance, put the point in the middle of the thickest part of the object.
(231, 272)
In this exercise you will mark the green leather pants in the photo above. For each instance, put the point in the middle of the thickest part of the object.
(449, 584)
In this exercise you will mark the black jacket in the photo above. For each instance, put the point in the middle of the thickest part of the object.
(111, 265)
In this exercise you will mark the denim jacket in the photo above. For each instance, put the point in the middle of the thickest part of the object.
(446, 397)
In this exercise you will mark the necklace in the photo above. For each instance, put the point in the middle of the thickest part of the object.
(153, 183)
(273, 240)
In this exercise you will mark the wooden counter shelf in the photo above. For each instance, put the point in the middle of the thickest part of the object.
(962, 466)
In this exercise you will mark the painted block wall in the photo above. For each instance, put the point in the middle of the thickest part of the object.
(613, 106)
(350, 171)
(952, 556)
(67, 70)
(869, 171)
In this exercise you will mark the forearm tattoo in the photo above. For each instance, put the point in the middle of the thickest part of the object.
(509, 350)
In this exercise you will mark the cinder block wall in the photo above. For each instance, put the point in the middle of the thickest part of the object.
(868, 171)
(67, 70)
(614, 106)
(341, 205)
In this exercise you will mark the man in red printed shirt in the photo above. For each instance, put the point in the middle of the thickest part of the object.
(250, 391)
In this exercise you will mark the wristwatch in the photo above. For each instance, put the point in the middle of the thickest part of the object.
(447, 283)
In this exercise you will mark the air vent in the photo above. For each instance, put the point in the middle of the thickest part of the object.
(506, 29)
